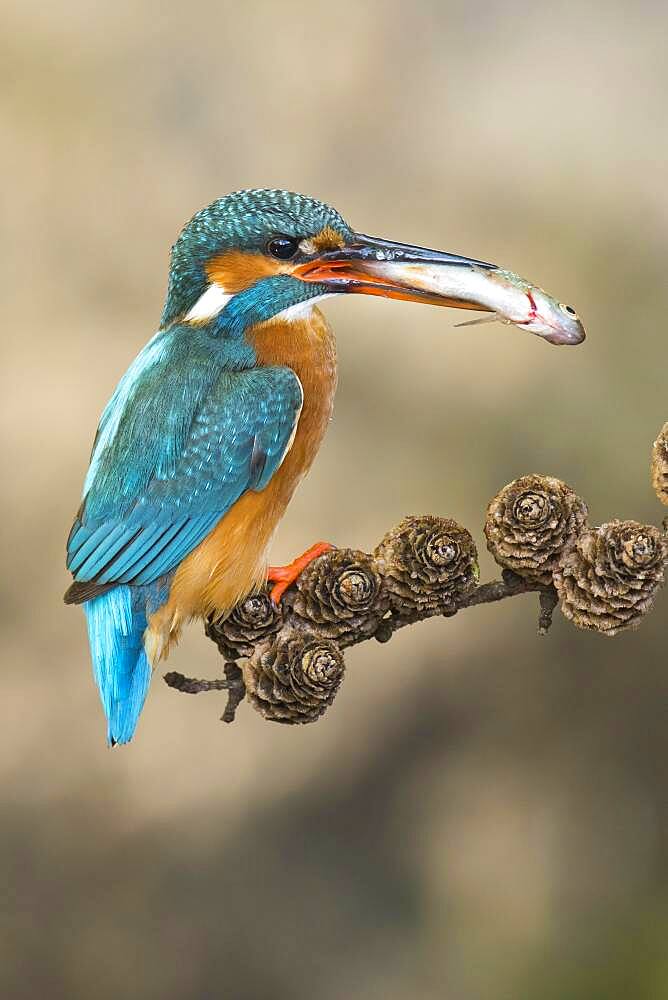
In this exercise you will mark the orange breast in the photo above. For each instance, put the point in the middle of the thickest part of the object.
(232, 560)
(308, 347)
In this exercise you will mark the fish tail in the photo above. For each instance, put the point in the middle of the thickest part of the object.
(116, 625)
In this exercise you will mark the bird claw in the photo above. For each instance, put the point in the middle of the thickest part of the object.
(284, 576)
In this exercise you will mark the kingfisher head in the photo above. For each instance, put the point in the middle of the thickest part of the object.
(256, 255)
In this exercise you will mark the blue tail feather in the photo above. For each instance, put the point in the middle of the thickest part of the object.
(116, 624)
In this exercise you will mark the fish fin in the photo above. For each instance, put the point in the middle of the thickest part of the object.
(493, 318)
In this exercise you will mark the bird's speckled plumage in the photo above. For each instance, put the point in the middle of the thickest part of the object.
(239, 221)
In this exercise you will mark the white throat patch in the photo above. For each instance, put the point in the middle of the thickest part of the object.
(215, 298)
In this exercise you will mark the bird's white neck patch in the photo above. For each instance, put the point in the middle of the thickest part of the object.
(209, 304)
(215, 298)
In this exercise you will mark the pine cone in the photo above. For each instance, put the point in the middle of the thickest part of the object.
(530, 522)
(660, 465)
(253, 619)
(295, 680)
(608, 579)
(427, 562)
(341, 594)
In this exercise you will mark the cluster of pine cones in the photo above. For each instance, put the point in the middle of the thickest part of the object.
(606, 579)
(422, 567)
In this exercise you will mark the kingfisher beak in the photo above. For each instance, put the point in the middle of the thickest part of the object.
(367, 265)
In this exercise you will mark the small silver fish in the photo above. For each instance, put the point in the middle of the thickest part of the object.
(474, 285)
(528, 306)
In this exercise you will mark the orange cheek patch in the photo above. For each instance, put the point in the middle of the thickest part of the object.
(236, 270)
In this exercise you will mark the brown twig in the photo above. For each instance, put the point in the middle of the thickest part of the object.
(233, 684)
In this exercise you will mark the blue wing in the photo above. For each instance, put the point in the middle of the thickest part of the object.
(240, 429)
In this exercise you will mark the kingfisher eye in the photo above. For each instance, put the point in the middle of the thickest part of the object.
(282, 247)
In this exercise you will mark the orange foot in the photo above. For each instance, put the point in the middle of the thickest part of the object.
(284, 576)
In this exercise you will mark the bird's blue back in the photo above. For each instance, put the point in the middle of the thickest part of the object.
(188, 430)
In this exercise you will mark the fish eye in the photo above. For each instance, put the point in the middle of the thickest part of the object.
(282, 247)
(567, 309)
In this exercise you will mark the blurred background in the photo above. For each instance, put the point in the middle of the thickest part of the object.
(481, 814)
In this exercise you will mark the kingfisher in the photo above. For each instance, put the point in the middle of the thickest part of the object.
(217, 420)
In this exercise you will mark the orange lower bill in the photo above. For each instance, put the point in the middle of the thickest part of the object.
(345, 277)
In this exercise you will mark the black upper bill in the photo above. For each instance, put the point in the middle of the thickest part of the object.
(371, 248)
